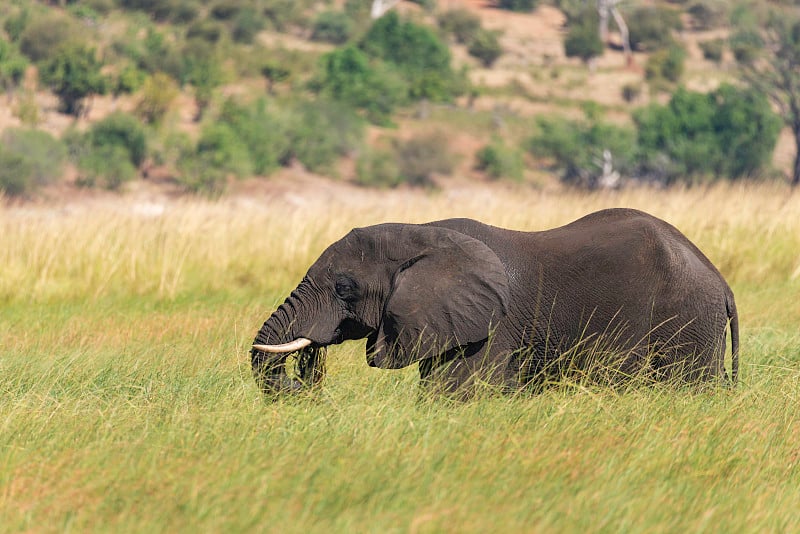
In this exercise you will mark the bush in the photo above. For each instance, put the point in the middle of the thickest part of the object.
(500, 161)
(486, 47)
(378, 168)
(205, 30)
(631, 92)
(73, 73)
(420, 157)
(221, 147)
(333, 27)
(348, 77)
(45, 36)
(460, 23)
(246, 26)
(129, 80)
(730, 132)
(263, 133)
(713, 49)
(120, 130)
(651, 28)
(15, 172)
(15, 24)
(666, 64)
(322, 131)
(746, 45)
(518, 5)
(105, 166)
(44, 154)
(177, 11)
(283, 13)
(158, 93)
(29, 159)
(577, 148)
(422, 58)
(708, 14)
(12, 66)
(583, 38)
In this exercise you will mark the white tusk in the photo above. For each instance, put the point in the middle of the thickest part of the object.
(292, 346)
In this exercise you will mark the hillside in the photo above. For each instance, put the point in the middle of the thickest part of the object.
(498, 104)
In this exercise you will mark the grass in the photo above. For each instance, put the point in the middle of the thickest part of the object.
(127, 405)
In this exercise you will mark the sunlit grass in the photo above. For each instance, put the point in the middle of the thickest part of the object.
(127, 405)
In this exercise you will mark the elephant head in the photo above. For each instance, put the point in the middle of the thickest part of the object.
(414, 291)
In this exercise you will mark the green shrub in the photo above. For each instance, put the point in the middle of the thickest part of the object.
(246, 25)
(263, 133)
(708, 14)
(333, 27)
(729, 133)
(283, 13)
(15, 173)
(205, 30)
(16, 23)
(105, 166)
(158, 53)
(500, 161)
(461, 23)
(221, 147)
(12, 66)
(486, 47)
(158, 93)
(583, 38)
(178, 11)
(378, 168)
(129, 80)
(226, 9)
(577, 147)
(518, 5)
(44, 154)
(713, 49)
(422, 58)
(29, 159)
(46, 35)
(422, 156)
(650, 28)
(120, 130)
(746, 45)
(348, 76)
(666, 64)
(73, 73)
(631, 92)
(322, 131)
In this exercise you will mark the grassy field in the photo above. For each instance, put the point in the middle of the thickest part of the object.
(127, 405)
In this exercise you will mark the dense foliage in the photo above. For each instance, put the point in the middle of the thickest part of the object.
(214, 93)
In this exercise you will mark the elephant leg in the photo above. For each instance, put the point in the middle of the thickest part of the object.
(461, 372)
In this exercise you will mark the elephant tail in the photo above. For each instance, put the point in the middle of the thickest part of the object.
(733, 317)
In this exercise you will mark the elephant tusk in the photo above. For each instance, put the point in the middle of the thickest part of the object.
(292, 346)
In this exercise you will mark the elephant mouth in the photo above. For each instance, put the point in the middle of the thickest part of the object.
(289, 372)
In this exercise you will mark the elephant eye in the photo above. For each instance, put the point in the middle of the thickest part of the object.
(346, 288)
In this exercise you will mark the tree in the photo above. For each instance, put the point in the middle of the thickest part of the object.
(582, 39)
(73, 74)
(775, 72)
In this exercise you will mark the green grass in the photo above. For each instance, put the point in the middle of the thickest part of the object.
(127, 405)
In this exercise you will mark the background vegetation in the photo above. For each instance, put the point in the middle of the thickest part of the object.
(126, 400)
(337, 93)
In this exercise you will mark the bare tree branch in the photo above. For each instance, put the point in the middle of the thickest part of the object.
(609, 7)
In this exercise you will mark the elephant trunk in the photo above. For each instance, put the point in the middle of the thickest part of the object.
(281, 359)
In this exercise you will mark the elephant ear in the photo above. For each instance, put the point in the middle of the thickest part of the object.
(448, 295)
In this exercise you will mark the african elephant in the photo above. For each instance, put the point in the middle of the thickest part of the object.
(473, 302)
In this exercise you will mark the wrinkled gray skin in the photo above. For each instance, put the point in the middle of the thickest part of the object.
(475, 302)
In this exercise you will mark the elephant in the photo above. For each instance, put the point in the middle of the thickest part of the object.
(617, 290)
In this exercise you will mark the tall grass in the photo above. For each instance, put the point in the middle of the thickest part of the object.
(127, 405)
